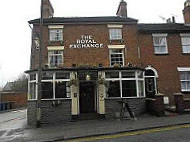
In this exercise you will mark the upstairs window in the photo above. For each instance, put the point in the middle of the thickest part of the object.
(56, 34)
(55, 58)
(116, 57)
(160, 43)
(115, 34)
(185, 41)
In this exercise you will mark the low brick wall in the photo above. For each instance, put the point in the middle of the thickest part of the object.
(113, 107)
(18, 99)
(155, 105)
(181, 104)
(52, 111)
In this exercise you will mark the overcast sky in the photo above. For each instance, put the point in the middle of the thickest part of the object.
(15, 41)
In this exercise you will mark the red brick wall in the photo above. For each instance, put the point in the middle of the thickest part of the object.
(20, 99)
(90, 56)
(166, 65)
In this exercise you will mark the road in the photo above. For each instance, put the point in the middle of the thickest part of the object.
(167, 134)
(12, 125)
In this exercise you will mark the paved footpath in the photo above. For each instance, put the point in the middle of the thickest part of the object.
(69, 130)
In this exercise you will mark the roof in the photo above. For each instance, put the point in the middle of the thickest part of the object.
(165, 27)
(8, 87)
(78, 20)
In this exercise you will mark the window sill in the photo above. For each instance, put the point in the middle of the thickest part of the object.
(51, 99)
(115, 98)
(161, 54)
(185, 53)
(56, 41)
(121, 40)
(185, 92)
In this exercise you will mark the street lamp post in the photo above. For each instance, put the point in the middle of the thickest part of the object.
(38, 110)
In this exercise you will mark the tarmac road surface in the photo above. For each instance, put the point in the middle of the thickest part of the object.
(166, 134)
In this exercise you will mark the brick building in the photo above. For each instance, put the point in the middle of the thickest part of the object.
(89, 63)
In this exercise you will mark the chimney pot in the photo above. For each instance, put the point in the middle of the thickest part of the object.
(122, 9)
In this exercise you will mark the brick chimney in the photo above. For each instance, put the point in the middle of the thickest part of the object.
(186, 12)
(48, 10)
(122, 9)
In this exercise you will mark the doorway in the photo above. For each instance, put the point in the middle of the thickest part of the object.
(87, 97)
(150, 83)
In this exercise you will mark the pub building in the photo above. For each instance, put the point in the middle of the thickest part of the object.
(90, 63)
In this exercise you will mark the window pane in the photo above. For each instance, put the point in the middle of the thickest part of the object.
(56, 34)
(112, 75)
(62, 75)
(115, 33)
(128, 74)
(140, 74)
(141, 88)
(149, 72)
(47, 75)
(129, 88)
(116, 57)
(159, 40)
(160, 44)
(55, 58)
(62, 90)
(113, 89)
(47, 90)
(32, 93)
(185, 40)
(183, 85)
(32, 77)
(160, 49)
(186, 48)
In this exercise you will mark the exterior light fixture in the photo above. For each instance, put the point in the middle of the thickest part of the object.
(87, 77)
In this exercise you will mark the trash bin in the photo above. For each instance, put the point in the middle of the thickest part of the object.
(0, 106)
(12, 105)
(8, 105)
(3, 105)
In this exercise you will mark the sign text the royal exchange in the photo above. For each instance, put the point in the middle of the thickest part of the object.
(86, 41)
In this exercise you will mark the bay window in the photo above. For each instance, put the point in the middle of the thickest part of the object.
(124, 84)
(32, 87)
(55, 85)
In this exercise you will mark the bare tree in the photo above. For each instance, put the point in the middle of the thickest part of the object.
(20, 84)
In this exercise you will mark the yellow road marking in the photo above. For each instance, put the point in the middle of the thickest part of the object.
(119, 135)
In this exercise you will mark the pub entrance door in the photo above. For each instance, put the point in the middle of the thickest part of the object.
(87, 97)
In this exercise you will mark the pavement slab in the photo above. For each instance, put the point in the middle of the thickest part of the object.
(17, 129)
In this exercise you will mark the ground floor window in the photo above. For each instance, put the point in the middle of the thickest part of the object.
(184, 73)
(129, 88)
(54, 85)
(185, 81)
(124, 83)
(32, 91)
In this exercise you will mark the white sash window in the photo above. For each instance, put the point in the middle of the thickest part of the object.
(185, 41)
(160, 44)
